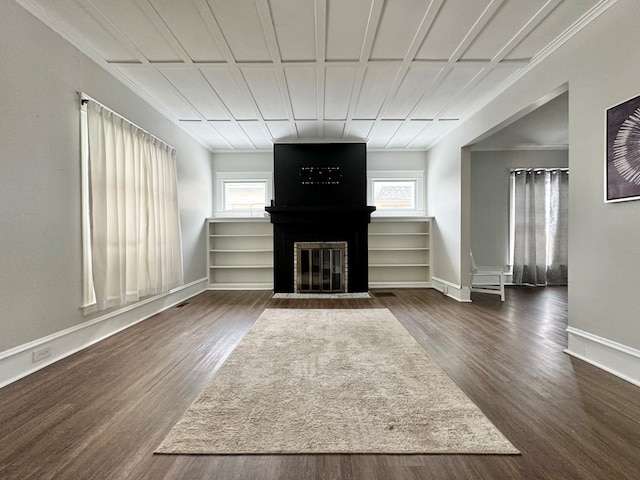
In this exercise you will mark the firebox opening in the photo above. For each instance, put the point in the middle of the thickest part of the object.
(320, 267)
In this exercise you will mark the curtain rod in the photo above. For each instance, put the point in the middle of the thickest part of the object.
(84, 99)
(524, 169)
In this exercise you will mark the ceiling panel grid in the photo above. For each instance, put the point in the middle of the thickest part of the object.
(243, 74)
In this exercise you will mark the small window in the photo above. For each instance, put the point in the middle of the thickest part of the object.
(245, 197)
(241, 194)
(394, 194)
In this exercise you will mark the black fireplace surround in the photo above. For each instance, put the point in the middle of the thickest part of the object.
(320, 195)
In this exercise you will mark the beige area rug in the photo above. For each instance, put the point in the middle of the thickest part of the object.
(332, 381)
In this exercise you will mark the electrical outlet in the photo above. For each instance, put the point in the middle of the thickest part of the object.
(41, 354)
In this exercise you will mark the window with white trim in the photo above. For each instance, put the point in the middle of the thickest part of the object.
(396, 193)
(242, 194)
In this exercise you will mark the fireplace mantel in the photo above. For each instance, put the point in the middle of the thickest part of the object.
(320, 214)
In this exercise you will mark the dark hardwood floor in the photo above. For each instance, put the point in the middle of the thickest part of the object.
(100, 413)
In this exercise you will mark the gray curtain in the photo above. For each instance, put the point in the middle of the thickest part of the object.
(541, 230)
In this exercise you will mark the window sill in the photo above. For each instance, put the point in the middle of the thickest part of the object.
(398, 213)
(240, 215)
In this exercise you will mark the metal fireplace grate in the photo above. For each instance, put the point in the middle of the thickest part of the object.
(320, 267)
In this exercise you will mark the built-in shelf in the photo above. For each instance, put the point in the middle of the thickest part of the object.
(240, 253)
(399, 252)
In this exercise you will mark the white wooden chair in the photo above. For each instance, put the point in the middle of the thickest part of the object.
(488, 283)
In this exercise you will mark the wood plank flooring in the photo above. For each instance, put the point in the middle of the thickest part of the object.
(100, 413)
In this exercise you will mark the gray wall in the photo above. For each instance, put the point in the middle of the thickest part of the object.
(490, 197)
(599, 65)
(40, 236)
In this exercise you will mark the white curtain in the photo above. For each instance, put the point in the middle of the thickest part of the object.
(540, 203)
(135, 239)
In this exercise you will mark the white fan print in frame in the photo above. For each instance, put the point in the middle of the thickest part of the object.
(622, 167)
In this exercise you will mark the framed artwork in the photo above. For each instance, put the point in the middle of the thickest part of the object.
(622, 167)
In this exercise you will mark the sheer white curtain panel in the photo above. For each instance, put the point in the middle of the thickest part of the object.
(134, 216)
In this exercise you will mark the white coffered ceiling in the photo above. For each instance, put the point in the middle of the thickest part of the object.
(242, 74)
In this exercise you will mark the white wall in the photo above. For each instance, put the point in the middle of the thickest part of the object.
(263, 161)
(396, 160)
(600, 66)
(490, 197)
(444, 197)
(243, 162)
(40, 239)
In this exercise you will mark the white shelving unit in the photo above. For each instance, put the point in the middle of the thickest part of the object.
(240, 253)
(400, 252)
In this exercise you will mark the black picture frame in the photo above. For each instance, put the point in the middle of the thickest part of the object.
(622, 165)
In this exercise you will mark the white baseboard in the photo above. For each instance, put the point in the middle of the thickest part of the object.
(460, 293)
(400, 285)
(18, 362)
(240, 286)
(613, 357)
